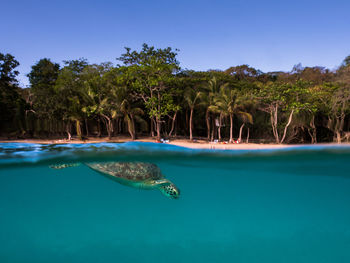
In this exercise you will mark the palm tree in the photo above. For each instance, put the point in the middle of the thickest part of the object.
(207, 100)
(229, 103)
(108, 111)
(131, 114)
(96, 95)
(122, 106)
(99, 105)
(192, 99)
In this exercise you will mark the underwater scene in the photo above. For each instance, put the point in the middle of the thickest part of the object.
(147, 202)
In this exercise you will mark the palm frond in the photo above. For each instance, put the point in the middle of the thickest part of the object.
(245, 116)
(137, 111)
(143, 124)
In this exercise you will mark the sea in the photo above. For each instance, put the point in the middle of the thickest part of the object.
(281, 205)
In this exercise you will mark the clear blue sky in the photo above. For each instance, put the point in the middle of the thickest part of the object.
(268, 35)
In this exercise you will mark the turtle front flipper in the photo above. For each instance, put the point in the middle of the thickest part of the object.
(63, 165)
(160, 182)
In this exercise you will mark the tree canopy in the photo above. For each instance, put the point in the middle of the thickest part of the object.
(149, 94)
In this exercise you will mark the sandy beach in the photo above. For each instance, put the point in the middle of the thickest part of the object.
(196, 144)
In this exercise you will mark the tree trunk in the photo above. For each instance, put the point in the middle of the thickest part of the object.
(50, 126)
(86, 127)
(173, 124)
(219, 129)
(208, 123)
(313, 132)
(338, 138)
(274, 121)
(131, 126)
(120, 123)
(286, 127)
(158, 119)
(240, 132)
(213, 129)
(106, 124)
(158, 123)
(152, 126)
(247, 141)
(69, 135)
(133, 136)
(99, 127)
(191, 115)
(109, 126)
(115, 125)
(231, 128)
(78, 127)
(186, 122)
(340, 124)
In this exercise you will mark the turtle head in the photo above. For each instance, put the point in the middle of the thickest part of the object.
(169, 190)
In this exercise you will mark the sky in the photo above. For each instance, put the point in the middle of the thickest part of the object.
(267, 35)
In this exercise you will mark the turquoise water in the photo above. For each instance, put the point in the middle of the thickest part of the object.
(235, 206)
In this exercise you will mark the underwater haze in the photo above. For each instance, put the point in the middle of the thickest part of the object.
(286, 205)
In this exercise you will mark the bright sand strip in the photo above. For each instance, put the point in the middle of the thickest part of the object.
(227, 146)
(198, 144)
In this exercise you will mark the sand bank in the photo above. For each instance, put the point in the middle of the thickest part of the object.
(197, 144)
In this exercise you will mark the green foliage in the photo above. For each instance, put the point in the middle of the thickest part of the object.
(346, 61)
(12, 105)
(192, 97)
(287, 96)
(150, 73)
(232, 102)
(42, 80)
(8, 74)
(150, 88)
(243, 72)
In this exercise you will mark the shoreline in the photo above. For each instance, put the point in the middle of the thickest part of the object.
(197, 144)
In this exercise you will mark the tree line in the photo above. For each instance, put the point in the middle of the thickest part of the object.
(148, 94)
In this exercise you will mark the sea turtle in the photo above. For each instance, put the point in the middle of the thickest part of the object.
(135, 174)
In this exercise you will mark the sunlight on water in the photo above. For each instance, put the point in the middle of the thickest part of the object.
(250, 206)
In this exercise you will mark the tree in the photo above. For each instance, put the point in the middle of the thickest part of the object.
(98, 81)
(243, 72)
(336, 102)
(346, 61)
(12, 106)
(131, 114)
(110, 98)
(192, 97)
(176, 88)
(150, 72)
(210, 90)
(69, 87)
(42, 80)
(43, 75)
(229, 102)
(340, 108)
(285, 98)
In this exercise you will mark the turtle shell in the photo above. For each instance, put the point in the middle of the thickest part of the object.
(129, 171)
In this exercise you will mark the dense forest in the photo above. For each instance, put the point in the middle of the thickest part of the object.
(148, 94)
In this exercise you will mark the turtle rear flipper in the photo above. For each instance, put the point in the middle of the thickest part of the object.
(63, 165)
